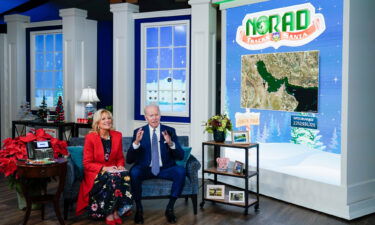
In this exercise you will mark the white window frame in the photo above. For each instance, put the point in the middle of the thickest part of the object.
(32, 64)
(144, 63)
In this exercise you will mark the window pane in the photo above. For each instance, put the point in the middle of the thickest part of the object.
(38, 79)
(38, 97)
(152, 37)
(165, 80)
(49, 61)
(59, 45)
(39, 61)
(59, 80)
(179, 80)
(48, 81)
(179, 101)
(49, 42)
(49, 97)
(152, 58)
(179, 58)
(152, 80)
(165, 102)
(165, 58)
(58, 60)
(39, 43)
(166, 36)
(180, 35)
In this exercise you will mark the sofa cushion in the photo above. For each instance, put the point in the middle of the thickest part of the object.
(182, 162)
(76, 153)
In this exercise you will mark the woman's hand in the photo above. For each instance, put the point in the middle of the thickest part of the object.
(121, 168)
(109, 168)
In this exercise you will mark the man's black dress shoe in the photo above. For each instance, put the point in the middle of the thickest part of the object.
(170, 216)
(138, 218)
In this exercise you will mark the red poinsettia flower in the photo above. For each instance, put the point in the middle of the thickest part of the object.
(15, 149)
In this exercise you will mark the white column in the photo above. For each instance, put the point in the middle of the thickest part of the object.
(123, 66)
(6, 124)
(203, 53)
(15, 77)
(80, 59)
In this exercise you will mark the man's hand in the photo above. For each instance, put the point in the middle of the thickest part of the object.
(138, 136)
(167, 138)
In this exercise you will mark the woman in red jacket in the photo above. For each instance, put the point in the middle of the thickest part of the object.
(105, 189)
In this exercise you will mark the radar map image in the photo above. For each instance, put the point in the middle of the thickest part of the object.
(281, 81)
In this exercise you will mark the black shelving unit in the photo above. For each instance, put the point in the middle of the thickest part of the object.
(251, 198)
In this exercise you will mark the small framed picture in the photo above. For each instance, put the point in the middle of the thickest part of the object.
(236, 196)
(222, 164)
(215, 191)
(238, 167)
(240, 137)
(51, 118)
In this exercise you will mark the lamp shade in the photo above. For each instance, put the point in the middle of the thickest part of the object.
(89, 95)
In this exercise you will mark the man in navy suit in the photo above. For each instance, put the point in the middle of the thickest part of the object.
(154, 150)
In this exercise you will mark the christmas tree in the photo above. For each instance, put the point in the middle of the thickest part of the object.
(60, 111)
(42, 112)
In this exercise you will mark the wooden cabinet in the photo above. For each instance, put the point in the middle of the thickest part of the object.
(250, 198)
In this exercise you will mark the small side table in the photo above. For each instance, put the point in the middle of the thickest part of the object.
(28, 171)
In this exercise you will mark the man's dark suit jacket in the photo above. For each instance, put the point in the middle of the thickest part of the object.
(142, 155)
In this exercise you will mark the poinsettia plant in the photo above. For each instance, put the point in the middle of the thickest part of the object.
(15, 149)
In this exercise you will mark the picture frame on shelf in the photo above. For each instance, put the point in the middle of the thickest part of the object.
(51, 118)
(240, 137)
(222, 164)
(215, 191)
(238, 167)
(236, 196)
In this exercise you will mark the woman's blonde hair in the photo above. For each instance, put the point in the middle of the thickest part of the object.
(97, 117)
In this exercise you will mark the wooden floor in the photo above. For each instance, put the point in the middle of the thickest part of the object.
(272, 212)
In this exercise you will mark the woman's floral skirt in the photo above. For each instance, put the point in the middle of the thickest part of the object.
(111, 191)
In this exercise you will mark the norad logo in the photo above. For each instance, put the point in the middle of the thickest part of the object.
(290, 26)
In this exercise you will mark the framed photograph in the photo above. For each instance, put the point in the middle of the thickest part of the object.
(236, 196)
(240, 137)
(238, 167)
(222, 164)
(51, 131)
(215, 191)
(51, 118)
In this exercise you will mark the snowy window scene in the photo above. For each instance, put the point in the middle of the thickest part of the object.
(165, 66)
(46, 67)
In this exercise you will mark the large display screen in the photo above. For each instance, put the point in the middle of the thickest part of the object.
(284, 65)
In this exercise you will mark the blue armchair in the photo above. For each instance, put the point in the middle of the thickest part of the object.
(151, 189)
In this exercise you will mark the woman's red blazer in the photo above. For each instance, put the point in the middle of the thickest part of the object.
(93, 161)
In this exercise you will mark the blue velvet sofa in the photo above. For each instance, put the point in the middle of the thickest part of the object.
(151, 189)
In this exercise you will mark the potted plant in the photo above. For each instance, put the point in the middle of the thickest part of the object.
(15, 149)
(218, 125)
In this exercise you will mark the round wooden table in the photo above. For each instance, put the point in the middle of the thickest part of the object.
(27, 171)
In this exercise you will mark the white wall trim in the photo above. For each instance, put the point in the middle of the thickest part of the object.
(80, 59)
(239, 3)
(6, 124)
(167, 13)
(123, 66)
(45, 23)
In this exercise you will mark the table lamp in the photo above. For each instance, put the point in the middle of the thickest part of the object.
(89, 95)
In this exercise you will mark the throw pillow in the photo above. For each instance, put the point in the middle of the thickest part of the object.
(76, 153)
(187, 151)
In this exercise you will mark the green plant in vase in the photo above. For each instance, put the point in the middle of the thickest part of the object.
(218, 125)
